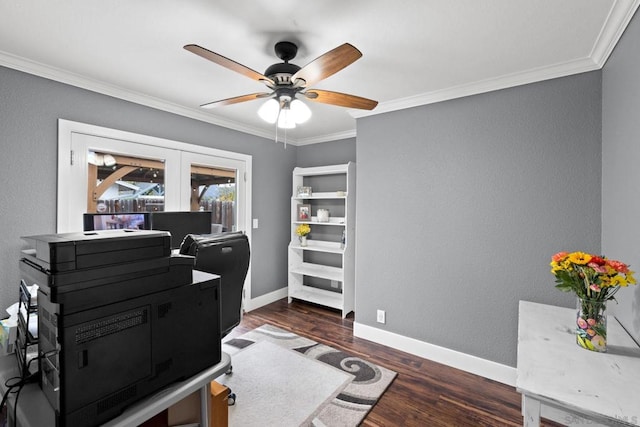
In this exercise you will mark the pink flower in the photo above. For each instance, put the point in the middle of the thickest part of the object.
(599, 342)
(598, 268)
(582, 324)
(591, 322)
(591, 332)
(594, 287)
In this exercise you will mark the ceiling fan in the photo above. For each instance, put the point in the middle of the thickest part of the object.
(286, 80)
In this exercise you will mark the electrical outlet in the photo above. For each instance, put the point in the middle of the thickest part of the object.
(381, 316)
(335, 284)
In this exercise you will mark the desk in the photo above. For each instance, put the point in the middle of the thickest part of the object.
(34, 409)
(555, 374)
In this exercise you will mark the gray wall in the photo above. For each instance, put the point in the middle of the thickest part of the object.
(461, 204)
(620, 171)
(327, 153)
(29, 109)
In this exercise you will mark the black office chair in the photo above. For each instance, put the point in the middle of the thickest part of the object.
(227, 255)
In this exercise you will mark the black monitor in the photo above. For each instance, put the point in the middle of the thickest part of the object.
(113, 221)
(179, 224)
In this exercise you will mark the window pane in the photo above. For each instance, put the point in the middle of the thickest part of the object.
(119, 183)
(214, 189)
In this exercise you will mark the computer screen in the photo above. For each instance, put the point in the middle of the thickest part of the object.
(179, 224)
(114, 221)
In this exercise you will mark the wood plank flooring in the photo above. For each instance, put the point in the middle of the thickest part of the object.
(424, 393)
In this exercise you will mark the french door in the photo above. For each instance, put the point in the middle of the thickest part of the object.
(105, 170)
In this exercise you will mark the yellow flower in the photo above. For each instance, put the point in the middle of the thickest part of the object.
(631, 278)
(555, 267)
(303, 230)
(614, 281)
(621, 281)
(579, 258)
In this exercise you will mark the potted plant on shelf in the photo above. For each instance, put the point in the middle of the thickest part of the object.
(302, 231)
(595, 280)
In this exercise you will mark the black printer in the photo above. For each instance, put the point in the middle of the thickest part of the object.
(119, 317)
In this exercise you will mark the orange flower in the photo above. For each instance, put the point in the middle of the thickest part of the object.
(559, 256)
(618, 266)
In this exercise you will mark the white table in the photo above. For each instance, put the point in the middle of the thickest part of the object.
(555, 375)
(35, 411)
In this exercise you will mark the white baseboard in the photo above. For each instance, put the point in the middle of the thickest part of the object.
(266, 299)
(466, 362)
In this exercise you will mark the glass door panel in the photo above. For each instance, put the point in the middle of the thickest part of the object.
(214, 189)
(119, 183)
(216, 184)
(109, 174)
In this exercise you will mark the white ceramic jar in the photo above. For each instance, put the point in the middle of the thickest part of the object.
(323, 215)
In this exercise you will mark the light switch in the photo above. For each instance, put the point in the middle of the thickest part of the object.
(255, 222)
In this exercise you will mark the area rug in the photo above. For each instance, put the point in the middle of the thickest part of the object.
(283, 379)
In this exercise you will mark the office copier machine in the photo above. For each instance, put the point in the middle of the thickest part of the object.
(119, 317)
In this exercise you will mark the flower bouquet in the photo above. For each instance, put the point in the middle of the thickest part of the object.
(595, 280)
(302, 230)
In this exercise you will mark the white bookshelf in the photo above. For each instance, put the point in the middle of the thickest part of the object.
(323, 272)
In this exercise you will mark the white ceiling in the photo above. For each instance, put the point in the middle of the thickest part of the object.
(414, 51)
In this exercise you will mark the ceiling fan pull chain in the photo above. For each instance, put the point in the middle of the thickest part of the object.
(277, 126)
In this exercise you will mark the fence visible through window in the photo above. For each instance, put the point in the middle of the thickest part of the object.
(126, 184)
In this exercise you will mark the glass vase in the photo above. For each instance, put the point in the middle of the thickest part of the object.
(303, 240)
(591, 324)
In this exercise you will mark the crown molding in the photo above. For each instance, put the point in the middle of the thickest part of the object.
(484, 86)
(41, 70)
(619, 17)
(326, 138)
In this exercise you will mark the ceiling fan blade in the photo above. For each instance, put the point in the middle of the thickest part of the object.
(328, 64)
(228, 63)
(236, 99)
(341, 99)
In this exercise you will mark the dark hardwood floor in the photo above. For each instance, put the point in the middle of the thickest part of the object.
(424, 393)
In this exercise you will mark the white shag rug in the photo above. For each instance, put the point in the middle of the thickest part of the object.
(283, 379)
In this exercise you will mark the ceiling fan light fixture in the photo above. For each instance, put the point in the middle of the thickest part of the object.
(269, 111)
(286, 119)
(300, 111)
(287, 80)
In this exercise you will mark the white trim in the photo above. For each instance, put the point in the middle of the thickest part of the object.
(261, 301)
(483, 86)
(66, 127)
(59, 75)
(326, 138)
(619, 17)
(455, 359)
